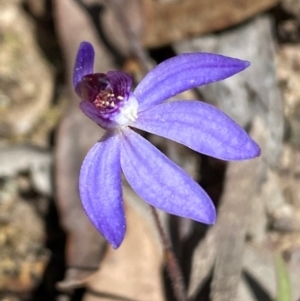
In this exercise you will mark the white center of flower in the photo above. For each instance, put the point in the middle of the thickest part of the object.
(128, 113)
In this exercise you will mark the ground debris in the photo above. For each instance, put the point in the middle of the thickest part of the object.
(24, 94)
(22, 237)
(16, 159)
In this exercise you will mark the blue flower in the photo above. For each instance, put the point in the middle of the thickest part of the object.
(107, 99)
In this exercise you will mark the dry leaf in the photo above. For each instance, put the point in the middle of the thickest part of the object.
(133, 271)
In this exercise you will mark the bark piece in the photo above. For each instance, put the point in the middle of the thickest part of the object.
(240, 186)
(171, 21)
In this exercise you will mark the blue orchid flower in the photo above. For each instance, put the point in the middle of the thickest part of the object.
(107, 99)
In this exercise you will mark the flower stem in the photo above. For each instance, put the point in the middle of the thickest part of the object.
(171, 261)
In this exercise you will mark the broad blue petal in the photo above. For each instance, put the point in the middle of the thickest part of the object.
(201, 127)
(161, 183)
(184, 72)
(100, 189)
(84, 63)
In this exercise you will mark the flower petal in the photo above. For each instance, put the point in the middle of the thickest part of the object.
(91, 85)
(121, 82)
(100, 189)
(84, 63)
(201, 127)
(91, 111)
(161, 183)
(184, 72)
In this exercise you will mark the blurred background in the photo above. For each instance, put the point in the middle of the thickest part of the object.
(48, 248)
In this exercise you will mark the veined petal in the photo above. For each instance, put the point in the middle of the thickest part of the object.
(100, 189)
(121, 82)
(201, 127)
(84, 63)
(162, 183)
(184, 72)
(91, 85)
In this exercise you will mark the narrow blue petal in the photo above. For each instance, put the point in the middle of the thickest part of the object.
(201, 127)
(162, 183)
(84, 63)
(184, 72)
(100, 189)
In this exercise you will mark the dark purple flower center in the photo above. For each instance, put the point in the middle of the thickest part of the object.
(96, 88)
(106, 98)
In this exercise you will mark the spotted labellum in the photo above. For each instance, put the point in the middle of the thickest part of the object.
(109, 101)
